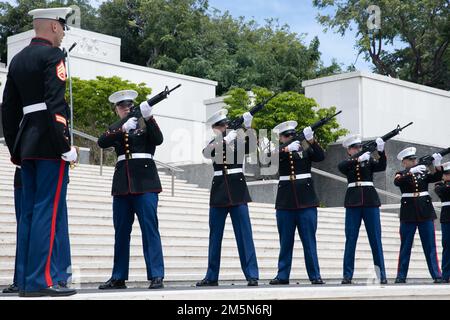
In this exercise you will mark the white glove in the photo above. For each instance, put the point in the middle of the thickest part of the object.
(232, 135)
(364, 157)
(308, 133)
(380, 144)
(70, 156)
(418, 169)
(437, 159)
(146, 109)
(266, 145)
(294, 146)
(248, 118)
(131, 124)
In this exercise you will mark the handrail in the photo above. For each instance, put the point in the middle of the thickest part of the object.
(171, 168)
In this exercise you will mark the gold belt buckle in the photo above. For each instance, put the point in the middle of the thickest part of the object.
(358, 184)
(416, 194)
(225, 171)
(292, 177)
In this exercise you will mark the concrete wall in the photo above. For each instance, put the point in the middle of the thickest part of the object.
(375, 104)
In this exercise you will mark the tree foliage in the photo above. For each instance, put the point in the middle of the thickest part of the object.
(14, 17)
(189, 37)
(422, 27)
(92, 111)
(286, 106)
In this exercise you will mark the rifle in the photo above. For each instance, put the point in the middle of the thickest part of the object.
(371, 146)
(135, 111)
(300, 136)
(237, 123)
(428, 159)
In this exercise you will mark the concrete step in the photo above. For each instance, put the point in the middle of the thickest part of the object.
(188, 208)
(194, 230)
(201, 218)
(182, 241)
(265, 292)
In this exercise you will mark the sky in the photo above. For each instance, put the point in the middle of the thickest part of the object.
(300, 15)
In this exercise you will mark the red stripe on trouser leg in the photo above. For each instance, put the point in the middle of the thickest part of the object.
(435, 246)
(48, 277)
(400, 251)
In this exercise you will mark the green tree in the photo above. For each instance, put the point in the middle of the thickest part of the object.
(184, 36)
(286, 106)
(14, 17)
(93, 113)
(422, 27)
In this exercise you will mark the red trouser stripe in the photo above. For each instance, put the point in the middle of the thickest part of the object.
(48, 277)
(435, 245)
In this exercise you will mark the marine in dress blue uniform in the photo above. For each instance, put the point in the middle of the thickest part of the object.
(35, 122)
(135, 189)
(442, 189)
(417, 212)
(229, 195)
(297, 202)
(362, 204)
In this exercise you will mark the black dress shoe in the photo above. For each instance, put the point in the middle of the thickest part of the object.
(346, 281)
(11, 289)
(445, 280)
(400, 280)
(207, 283)
(317, 281)
(157, 283)
(54, 291)
(62, 284)
(277, 282)
(438, 281)
(113, 284)
(383, 281)
(252, 283)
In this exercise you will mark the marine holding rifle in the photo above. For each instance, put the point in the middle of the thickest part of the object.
(442, 189)
(296, 201)
(362, 203)
(417, 211)
(135, 187)
(229, 194)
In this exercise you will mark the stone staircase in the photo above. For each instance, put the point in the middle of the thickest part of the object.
(184, 229)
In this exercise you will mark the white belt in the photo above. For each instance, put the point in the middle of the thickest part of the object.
(230, 171)
(415, 195)
(296, 177)
(446, 204)
(34, 108)
(135, 156)
(361, 184)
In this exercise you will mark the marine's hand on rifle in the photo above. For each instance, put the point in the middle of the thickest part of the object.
(248, 118)
(146, 109)
(380, 144)
(70, 156)
(418, 169)
(437, 159)
(294, 146)
(308, 133)
(131, 124)
(231, 136)
(364, 157)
